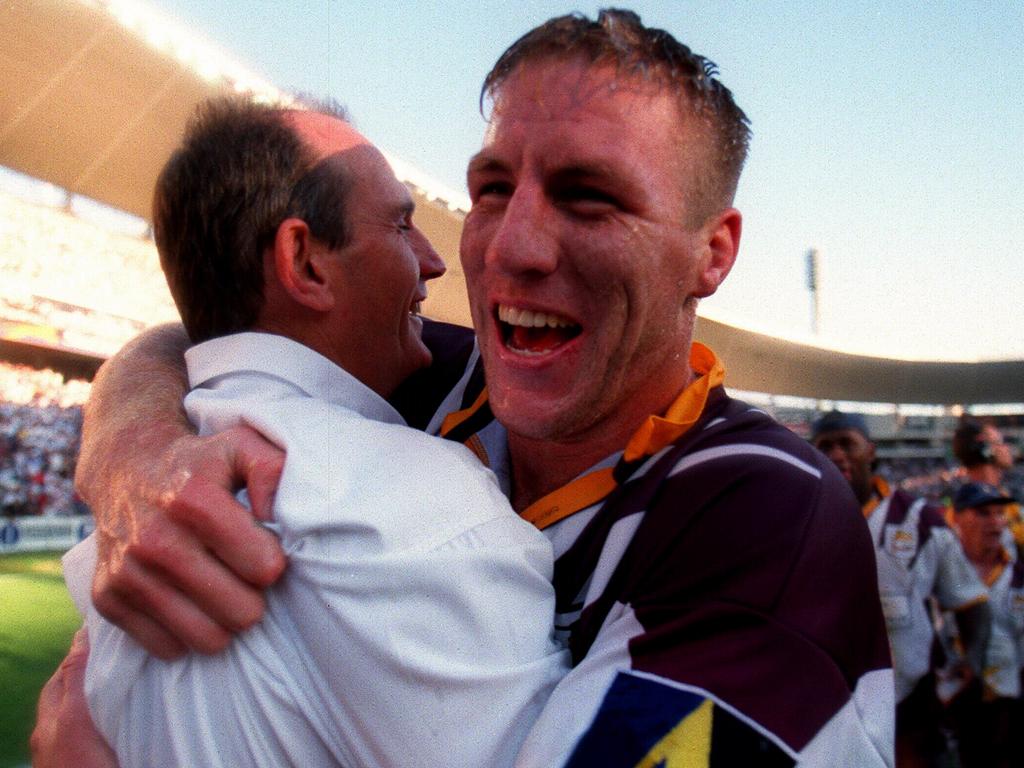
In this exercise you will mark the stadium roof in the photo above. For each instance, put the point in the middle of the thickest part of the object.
(93, 97)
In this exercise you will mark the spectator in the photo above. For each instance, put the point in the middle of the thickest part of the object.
(985, 458)
(918, 557)
(40, 428)
(984, 709)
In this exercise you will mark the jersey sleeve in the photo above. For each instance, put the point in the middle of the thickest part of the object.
(742, 627)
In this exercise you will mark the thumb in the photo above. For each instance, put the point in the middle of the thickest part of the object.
(258, 463)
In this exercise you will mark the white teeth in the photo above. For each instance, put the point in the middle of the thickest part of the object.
(529, 319)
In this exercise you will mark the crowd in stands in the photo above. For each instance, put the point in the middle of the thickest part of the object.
(40, 427)
(96, 288)
(935, 479)
(40, 418)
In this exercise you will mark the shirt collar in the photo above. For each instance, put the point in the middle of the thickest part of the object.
(879, 492)
(290, 361)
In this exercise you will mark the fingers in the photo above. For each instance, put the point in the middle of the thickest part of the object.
(64, 733)
(226, 528)
(258, 463)
(182, 563)
(70, 671)
(170, 593)
(119, 609)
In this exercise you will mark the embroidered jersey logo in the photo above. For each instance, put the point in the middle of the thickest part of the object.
(645, 724)
(900, 542)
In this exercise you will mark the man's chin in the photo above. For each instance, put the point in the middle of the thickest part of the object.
(526, 415)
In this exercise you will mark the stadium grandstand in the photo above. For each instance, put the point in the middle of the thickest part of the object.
(79, 274)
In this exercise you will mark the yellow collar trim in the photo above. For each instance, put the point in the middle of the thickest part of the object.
(654, 434)
(882, 491)
(658, 431)
(453, 419)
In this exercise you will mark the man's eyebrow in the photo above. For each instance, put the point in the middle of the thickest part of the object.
(404, 208)
(482, 162)
(596, 170)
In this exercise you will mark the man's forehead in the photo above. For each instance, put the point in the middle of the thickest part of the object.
(550, 87)
(324, 133)
(985, 510)
(838, 435)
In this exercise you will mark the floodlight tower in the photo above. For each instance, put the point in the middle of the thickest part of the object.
(812, 286)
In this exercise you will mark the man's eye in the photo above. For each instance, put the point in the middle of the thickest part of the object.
(587, 198)
(493, 188)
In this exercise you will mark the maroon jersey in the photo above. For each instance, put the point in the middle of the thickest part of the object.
(721, 597)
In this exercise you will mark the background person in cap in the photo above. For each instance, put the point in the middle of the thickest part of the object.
(917, 556)
(984, 708)
(985, 457)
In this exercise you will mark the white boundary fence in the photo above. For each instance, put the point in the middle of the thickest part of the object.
(33, 534)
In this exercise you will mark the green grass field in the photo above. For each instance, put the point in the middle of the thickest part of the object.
(37, 620)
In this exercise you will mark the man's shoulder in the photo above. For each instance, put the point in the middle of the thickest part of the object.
(750, 559)
(748, 491)
(738, 443)
(906, 508)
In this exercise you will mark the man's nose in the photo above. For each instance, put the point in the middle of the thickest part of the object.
(431, 263)
(836, 454)
(525, 240)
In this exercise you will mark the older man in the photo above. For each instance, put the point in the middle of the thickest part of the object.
(714, 578)
(986, 711)
(437, 596)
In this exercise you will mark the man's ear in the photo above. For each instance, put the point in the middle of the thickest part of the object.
(721, 239)
(299, 265)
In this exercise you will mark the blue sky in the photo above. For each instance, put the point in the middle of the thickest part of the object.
(888, 135)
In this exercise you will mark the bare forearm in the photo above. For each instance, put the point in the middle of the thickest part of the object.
(181, 564)
(135, 409)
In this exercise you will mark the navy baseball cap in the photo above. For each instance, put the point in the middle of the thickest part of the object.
(837, 420)
(978, 495)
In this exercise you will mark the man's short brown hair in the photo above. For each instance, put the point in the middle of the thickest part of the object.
(240, 171)
(620, 39)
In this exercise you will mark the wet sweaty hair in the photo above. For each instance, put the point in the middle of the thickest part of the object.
(620, 39)
(239, 172)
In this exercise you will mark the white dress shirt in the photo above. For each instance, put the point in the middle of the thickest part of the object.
(412, 627)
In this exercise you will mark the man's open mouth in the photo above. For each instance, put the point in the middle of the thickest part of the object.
(534, 333)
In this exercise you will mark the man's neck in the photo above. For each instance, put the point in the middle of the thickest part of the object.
(985, 560)
(540, 466)
(985, 473)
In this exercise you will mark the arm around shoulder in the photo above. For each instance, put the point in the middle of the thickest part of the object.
(134, 410)
(180, 563)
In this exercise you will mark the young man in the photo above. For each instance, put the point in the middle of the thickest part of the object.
(918, 557)
(714, 579)
(986, 711)
(416, 603)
